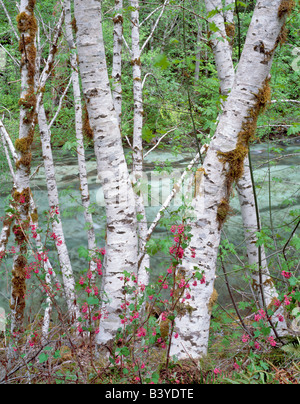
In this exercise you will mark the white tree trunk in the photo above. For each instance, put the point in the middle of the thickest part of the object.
(48, 269)
(27, 27)
(117, 59)
(121, 238)
(222, 166)
(84, 189)
(138, 158)
(222, 52)
(244, 184)
(59, 237)
(262, 282)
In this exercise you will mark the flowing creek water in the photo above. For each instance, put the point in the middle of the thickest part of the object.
(284, 187)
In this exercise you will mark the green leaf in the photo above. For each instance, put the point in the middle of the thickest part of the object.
(43, 357)
(155, 377)
(83, 252)
(152, 247)
(91, 301)
(162, 62)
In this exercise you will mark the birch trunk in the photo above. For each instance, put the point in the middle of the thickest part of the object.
(223, 165)
(9, 217)
(221, 49)
(262, 281)
(27, 27)
(117, 59)
(138, 158)
(121, 237)
(58, 233)
(33, 224)
(84, 189)
(267, 291)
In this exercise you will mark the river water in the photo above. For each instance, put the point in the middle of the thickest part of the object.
(284, 190)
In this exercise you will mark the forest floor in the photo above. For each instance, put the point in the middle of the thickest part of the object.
(73, 361)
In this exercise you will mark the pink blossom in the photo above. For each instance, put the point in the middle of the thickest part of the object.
(286, 274)
(141, 332)
(88, 290)
(173, 229)
(287, 300)
(180, 252)
(280, 318)
(277, 302)
(217, 371)
(180, 229)
(272, 341)
(245, 338)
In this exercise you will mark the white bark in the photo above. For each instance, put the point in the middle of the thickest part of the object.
(117, 58)
(245, 188)
(262, 282)
(121, 238)
(245, 192)
(136, 52)
(138, 158)
(22, 176)
(9, 217)
(240, 115)
(60, 242)
(49, 271)
(84, 189)
(222, 52)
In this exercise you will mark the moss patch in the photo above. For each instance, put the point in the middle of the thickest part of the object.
(86, 127)
(223, 212)
(234, 160)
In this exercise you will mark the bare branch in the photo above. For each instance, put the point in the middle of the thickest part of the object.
(155, 146)
(166, 3)
(10, 21)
